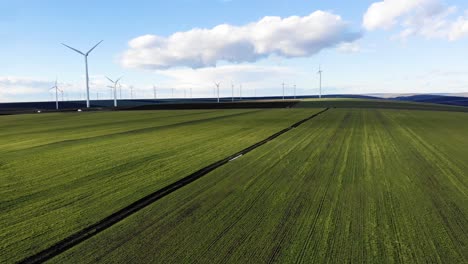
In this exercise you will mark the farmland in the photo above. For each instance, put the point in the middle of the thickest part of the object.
(351, 185)
(62, 172)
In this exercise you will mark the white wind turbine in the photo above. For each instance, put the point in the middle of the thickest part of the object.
(320, 80)
(86, 67)
(56, 94)
(240, 91)
(283, 89)
(294, 91)
(114, 87)
(217, 89)
(232, 86)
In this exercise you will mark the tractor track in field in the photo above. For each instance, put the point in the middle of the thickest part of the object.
(129, 210)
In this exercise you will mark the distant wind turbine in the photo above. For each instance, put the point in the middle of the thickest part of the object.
(283, 89)
(114, 87)
(56, 94)
(217, 89)
(240, 91)
(320, 82)
(155, 92)
(232, 86)
(86, 67)
(294, 91)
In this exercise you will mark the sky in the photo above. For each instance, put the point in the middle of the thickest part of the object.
(363, 47)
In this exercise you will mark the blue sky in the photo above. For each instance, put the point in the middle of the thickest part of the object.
(403, 47)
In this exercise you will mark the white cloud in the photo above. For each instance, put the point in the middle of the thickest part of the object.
(12, 87)
(459, 28)
(17, 88)
(427, 18)
(262, 78)
(351, 47)
(286, 37)
(384, 15)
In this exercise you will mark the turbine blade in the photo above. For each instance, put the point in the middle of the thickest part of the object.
(93, 47)
(110, 79)
(74, 49)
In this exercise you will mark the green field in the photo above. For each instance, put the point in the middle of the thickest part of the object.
(63, 172)
(351, 185)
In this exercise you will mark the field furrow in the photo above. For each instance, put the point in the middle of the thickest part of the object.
(348, 186)
(49, 192)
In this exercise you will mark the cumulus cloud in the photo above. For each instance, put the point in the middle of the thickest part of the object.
(384, 15)
(427, 18)
(286, 37)
(459, 28)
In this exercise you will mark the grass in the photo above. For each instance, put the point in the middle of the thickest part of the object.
(351, 186)
(62, 172)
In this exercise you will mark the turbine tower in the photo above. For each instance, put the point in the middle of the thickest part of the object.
(217, 89)
(56, 94)
(283, 89)
(232, 87)
(115, 83)
(155, 92)
(320, 81)
(240, 91)
(86, 67)
(294, 91)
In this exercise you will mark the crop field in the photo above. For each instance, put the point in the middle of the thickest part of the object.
(62, 172)
(350, 185)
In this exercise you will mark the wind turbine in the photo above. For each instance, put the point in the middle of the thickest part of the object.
(115, 83)
(240, 91)
(320, 82)
(131, 91)
(232, 86)
(283, 89)
(86, 67)
(217, 89)
(294, 91)
(56, 94)
(155, 92)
